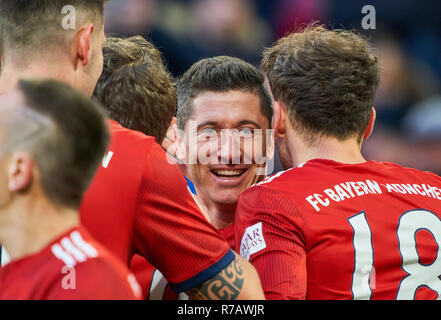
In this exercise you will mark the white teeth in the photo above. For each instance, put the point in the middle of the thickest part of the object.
(229, 173)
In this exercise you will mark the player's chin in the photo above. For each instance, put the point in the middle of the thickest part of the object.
(225, 197)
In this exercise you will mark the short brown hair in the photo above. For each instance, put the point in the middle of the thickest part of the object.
(135, 87)
(326, 78)
(69, 146)
(220, 74)
(38, 24)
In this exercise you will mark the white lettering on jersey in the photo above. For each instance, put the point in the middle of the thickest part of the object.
(106, 160)
(352, 189)
(252, 241)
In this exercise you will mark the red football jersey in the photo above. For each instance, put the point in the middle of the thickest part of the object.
(228, 234)
(139, 203)
(328, 230)
(72, 267)
(153, 283)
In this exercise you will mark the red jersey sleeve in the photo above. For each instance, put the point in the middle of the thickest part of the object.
(171, 232)
(268, 234)
(228, 234)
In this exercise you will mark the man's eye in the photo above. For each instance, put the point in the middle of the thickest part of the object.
(207, 133)
(246, 132)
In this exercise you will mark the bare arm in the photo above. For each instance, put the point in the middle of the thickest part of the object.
(237, 281)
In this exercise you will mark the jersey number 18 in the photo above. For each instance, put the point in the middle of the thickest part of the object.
(418, 274)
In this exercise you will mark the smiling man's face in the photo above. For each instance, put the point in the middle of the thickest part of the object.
(230, 136)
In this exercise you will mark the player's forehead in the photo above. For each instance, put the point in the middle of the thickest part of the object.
(228, 108)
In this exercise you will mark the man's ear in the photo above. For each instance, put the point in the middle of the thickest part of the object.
(171, 132)
(180, 144)
(370, 126)
(20, 172)
(279, 119)
(82, 45)
(173, 140)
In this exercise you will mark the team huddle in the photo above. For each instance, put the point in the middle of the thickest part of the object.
(118, 181)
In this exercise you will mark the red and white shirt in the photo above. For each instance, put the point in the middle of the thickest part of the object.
(328, 230)
(72, 267)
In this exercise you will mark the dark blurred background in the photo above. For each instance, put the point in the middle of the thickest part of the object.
(407, 38)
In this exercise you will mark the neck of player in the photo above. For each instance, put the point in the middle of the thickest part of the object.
(29, 225)
(347, 151)
(220, 215)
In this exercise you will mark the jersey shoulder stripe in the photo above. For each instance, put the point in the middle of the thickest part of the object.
(73, 249)
(276, 175)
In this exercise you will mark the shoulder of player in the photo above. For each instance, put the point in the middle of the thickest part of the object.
(135, 148)
(418, 174)
(158, 170)
(77, 248)
(128, 136)
(97, 278)
(277, 180)
(275, 194)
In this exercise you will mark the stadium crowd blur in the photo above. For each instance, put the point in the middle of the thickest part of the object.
(407, 38)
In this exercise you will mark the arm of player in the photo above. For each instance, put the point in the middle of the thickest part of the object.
(271, 236)
(173, 235)
(237, 281)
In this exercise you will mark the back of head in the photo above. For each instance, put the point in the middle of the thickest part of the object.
(68, 142)
(135, 87)
(29, 26)
(326, 79)
(220, 74)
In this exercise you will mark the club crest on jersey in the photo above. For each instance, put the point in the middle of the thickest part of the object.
(252, 241)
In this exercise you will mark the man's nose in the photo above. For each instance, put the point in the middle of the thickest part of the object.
(229, 148)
